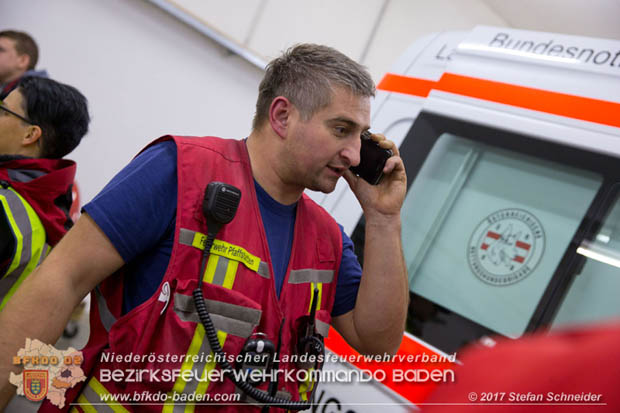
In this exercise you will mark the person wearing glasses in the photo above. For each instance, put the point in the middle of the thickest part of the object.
(19, 54)
(40, 122)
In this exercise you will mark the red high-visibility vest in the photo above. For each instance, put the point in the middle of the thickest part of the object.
(164, 335)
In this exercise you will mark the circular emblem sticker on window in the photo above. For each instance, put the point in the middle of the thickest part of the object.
(506, 246)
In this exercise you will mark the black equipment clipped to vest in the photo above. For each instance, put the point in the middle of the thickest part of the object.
(257, 355)
(310, 347)
(219, 207)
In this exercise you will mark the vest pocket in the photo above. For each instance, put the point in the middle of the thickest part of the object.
(173, 350)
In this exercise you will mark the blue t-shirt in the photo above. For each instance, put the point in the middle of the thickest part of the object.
(137, 212)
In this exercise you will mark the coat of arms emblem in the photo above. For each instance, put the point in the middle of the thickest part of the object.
(35, 384)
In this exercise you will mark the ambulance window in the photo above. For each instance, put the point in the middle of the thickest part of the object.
(593, 295)
(491, 224)
(485, 228)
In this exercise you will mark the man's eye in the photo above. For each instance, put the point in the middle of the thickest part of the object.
(340, 130)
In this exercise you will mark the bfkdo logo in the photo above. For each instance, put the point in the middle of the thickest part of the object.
(35, 384)
(48, 372)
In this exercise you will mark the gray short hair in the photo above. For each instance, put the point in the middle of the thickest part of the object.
(305, 74)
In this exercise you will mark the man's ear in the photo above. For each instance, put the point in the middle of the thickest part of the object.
(279, 115)
(32, 136)
(23, 61)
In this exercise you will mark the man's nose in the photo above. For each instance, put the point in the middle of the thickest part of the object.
(351, 152)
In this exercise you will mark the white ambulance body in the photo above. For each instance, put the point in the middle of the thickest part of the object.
(511, 141)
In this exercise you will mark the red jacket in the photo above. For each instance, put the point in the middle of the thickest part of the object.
(36, 197)
(238, 288)
(49, 194)
(574, 370)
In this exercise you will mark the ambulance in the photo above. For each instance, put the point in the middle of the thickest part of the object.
(511, 224)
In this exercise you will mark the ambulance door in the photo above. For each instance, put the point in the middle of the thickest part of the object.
(588, 296)
(494, 227)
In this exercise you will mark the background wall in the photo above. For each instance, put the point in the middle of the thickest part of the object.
(147, 73)
(144, 73)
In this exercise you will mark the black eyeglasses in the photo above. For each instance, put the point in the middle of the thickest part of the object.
(4, 108)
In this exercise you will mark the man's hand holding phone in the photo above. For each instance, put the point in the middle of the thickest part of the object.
(372, 160)
(379, 182)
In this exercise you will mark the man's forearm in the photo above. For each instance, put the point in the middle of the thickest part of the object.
(383, 297)
(43, 304)
(35, 311)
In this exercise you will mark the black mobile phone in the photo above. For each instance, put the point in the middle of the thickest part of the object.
(372, 160)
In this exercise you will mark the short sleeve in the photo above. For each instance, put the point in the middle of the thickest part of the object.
(136, 208)
(349, 277)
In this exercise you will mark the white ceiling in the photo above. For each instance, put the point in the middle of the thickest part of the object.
(597, 18)
(378, 33)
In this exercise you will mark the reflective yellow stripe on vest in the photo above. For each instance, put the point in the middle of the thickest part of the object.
(315, 279)
(305, 388)
(221, 269)
(30, 246)
(227, 319)
(91, 399)
(198, 346)
(319, 297)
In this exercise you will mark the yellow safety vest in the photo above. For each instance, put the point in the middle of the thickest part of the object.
(29, 236)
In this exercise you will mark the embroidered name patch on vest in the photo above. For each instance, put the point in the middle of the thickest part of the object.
(230, 251)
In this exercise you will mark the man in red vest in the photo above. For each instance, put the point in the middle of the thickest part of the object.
(277, 275)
